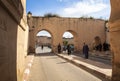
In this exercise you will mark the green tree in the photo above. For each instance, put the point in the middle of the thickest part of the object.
(51, 15)
(65, 43)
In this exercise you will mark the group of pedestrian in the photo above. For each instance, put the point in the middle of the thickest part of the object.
(69, 48)
(104, 47)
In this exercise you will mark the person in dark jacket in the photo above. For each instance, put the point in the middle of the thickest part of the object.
(68, 49)
(86, 50)
(59, 48)
(105, 46)
(42, 47)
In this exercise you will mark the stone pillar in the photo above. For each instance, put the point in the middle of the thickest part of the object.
(31, 42)
(56, 40)
(76, 47)
(114, 27)
(31, 33)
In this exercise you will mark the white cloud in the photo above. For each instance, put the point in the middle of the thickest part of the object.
(63, 0)
(60, 0)
(84, 7)
(43, 33)
(67, 35)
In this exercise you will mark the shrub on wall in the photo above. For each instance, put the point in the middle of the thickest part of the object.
(51, 15)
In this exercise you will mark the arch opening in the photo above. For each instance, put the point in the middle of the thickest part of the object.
(69, 40)
(43, 43)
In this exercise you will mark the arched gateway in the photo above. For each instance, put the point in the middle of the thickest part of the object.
(84, 30)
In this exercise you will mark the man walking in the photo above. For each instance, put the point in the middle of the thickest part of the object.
(85, 50)
(59, 48)
(68, 49)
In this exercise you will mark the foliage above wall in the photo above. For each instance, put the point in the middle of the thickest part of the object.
(51, 15)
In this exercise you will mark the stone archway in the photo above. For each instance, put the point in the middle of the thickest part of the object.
(58, 25)
(32, 38)
(51, 38)
(75, 39)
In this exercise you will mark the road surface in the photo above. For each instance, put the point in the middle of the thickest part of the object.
(44, 50)
(49, 67)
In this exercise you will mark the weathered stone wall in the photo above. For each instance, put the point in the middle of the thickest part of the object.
(114, 27)
(43, 40)
(84, 30)
(13, 39)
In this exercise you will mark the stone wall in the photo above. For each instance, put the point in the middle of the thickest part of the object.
(13, 39)
(114, 27)
(43, 40)
(83, 30)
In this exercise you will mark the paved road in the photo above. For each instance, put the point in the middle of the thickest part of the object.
(49, 67)
(44, 50)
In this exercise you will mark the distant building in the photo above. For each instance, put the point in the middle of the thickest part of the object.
(43, 40)
(70, 40)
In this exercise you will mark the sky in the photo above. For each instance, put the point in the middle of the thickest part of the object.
(70, 8)
(45, 33)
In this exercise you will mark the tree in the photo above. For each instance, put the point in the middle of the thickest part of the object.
(65, 43)
(51, 15)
